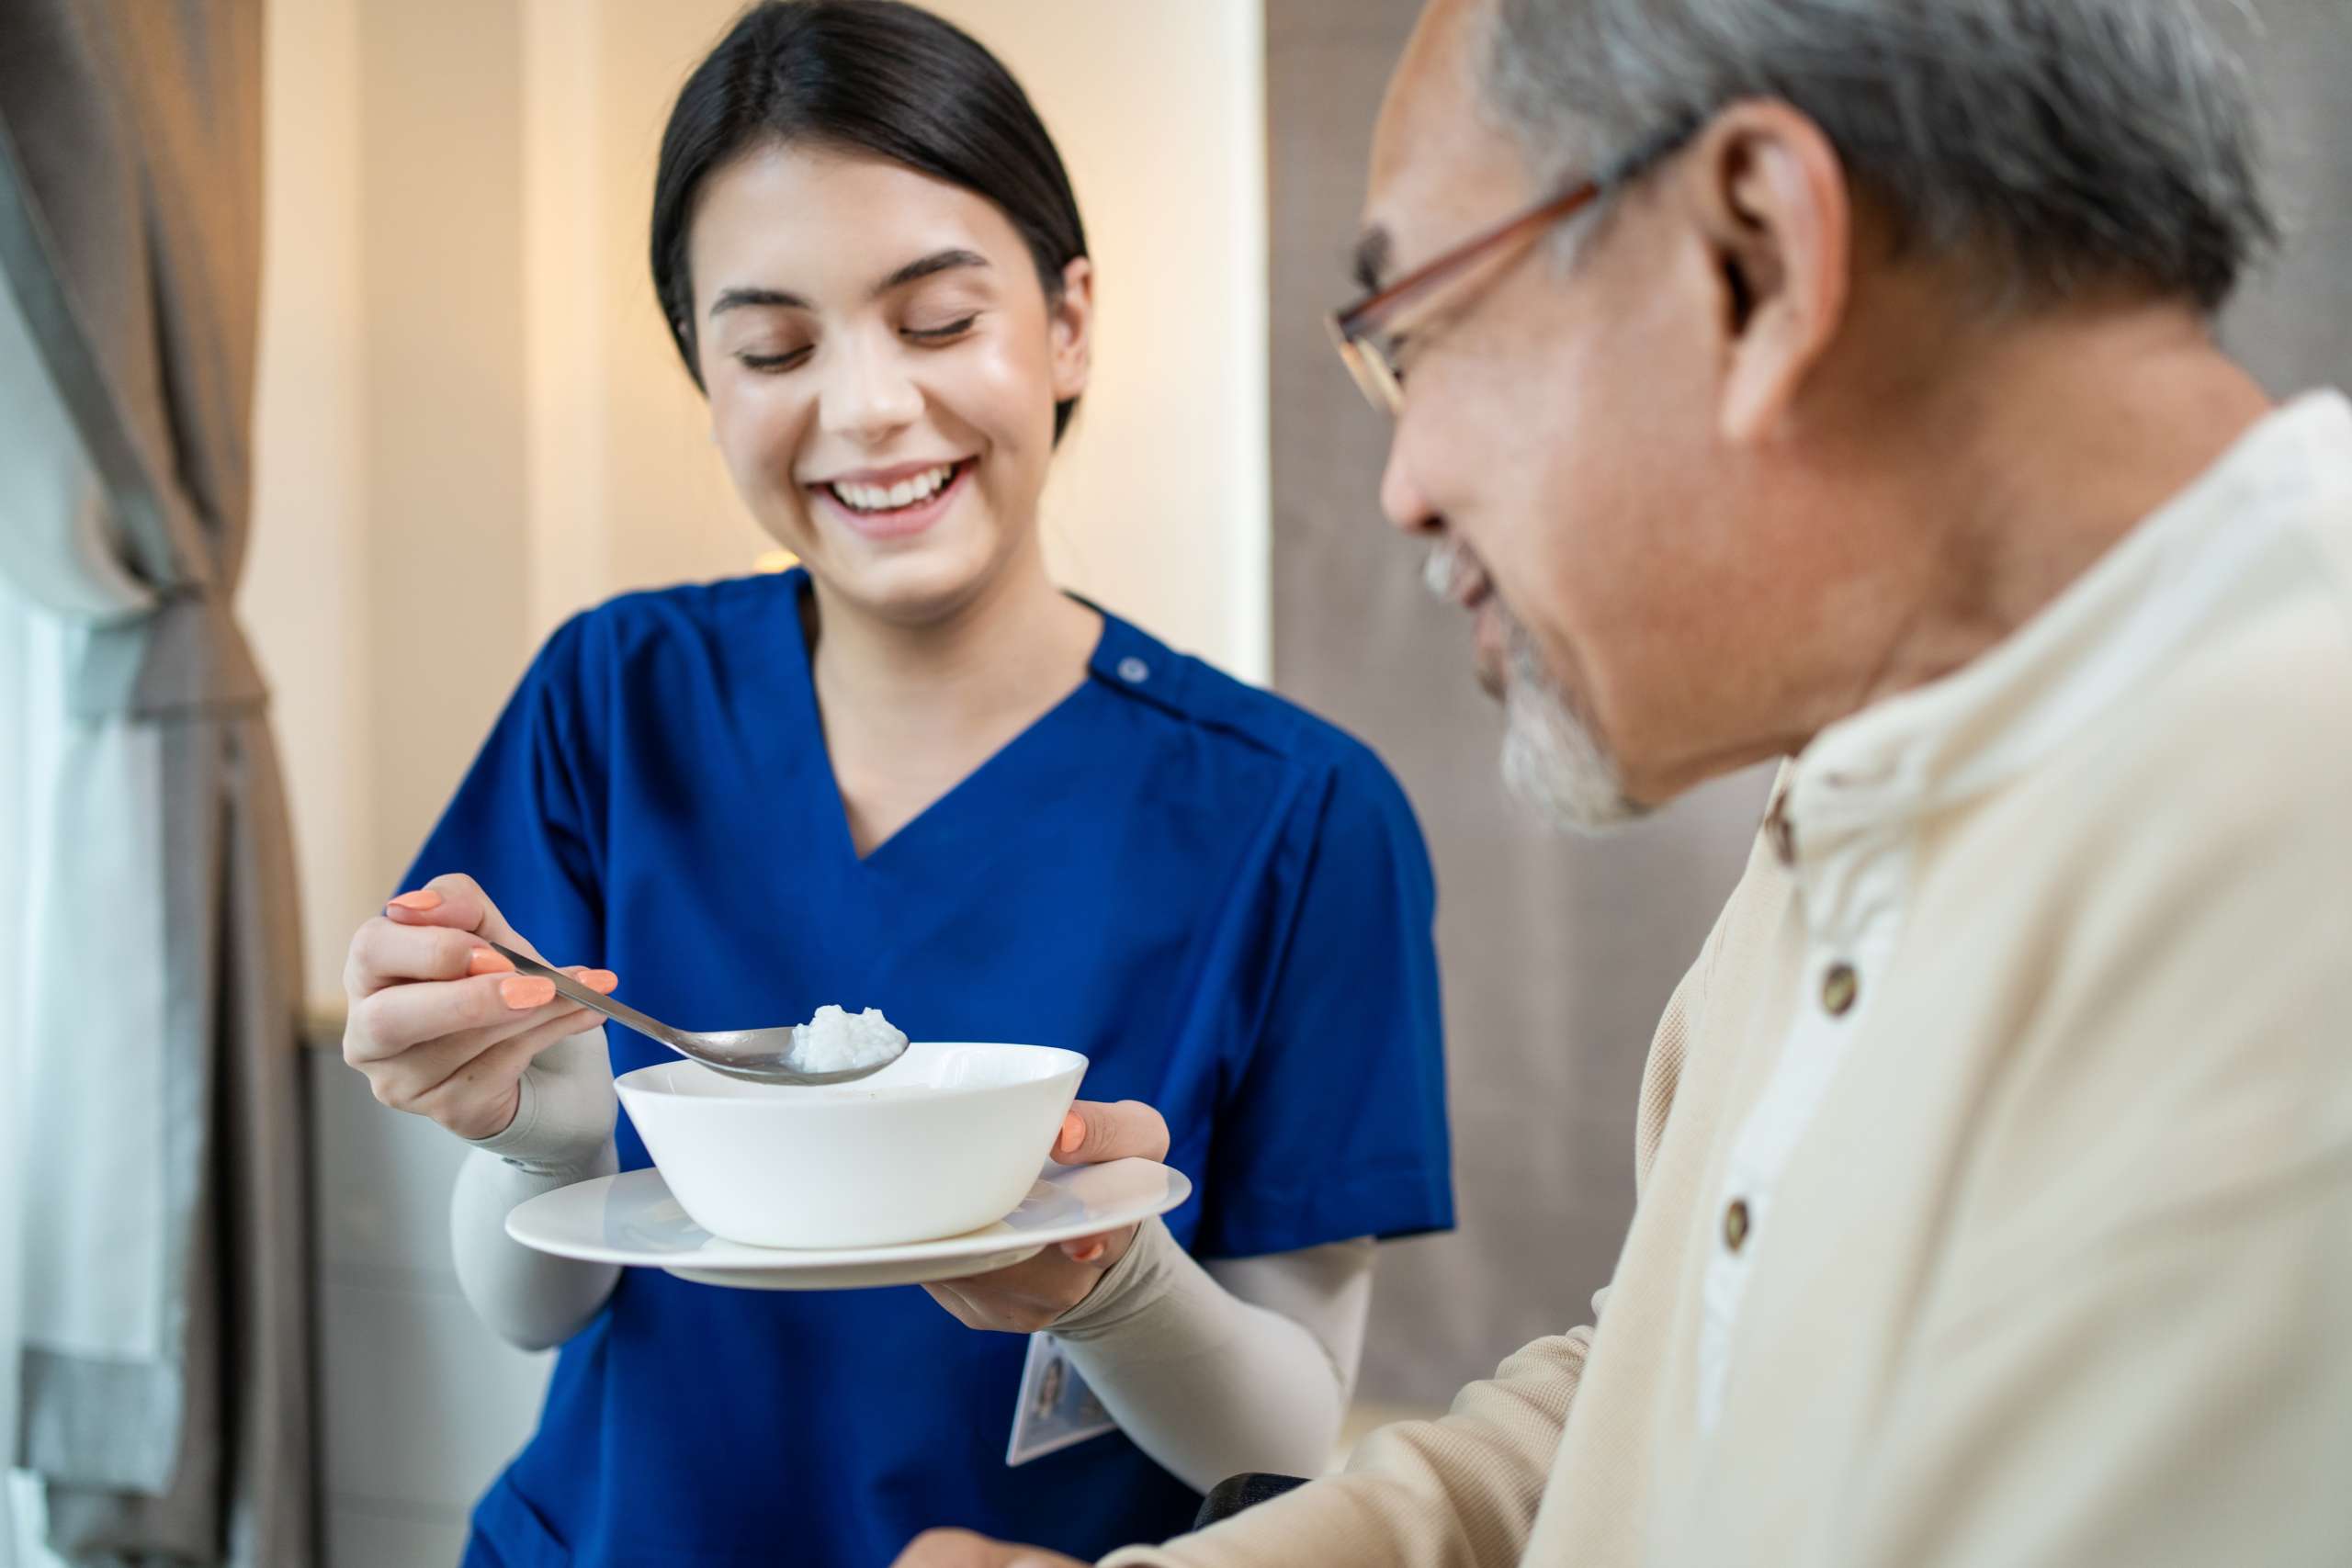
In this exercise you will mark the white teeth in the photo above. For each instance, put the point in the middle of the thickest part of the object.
(905, 493)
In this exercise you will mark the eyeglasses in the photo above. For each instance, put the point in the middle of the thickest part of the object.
(1361, 332)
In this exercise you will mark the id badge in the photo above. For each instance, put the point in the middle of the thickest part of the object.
(1056, 1408)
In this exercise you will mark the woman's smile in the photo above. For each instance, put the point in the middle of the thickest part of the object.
(898, 502)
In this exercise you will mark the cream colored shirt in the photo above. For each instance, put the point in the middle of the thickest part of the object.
(1996, 1155)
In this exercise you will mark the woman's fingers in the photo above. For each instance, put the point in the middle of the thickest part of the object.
(440, 1023)
(428, 934)
(1095, 1133)
(1033, 1293)
(483, 1010)
(408, 1079)
(1091, 1248)
(385, 952)
(958, 1306)
(398, 1017)
(457, 902)
(466, 1079)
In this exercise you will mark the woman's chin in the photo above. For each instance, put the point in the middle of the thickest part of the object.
(912, 586)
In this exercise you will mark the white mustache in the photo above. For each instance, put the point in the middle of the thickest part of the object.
(1449, 562)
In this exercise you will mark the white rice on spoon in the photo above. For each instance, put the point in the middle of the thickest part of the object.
(838, 1041)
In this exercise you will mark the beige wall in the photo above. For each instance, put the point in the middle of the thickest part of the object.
(470, 422)
(301, 593)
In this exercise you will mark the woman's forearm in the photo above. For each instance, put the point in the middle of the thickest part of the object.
(1210, 1383)
(528, 1298)
(562, 1133)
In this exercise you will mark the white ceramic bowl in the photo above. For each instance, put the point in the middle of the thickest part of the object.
(944, 1140)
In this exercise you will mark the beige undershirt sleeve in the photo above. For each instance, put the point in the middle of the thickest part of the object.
(562, 1133)
(1240, 1365)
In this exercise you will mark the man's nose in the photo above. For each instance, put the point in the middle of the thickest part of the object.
(867, 394)
(1401, 497)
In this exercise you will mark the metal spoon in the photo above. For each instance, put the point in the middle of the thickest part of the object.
(762, 1055)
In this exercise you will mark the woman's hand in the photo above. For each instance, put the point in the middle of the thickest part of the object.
(1032, 1295)
(962, 1549)
(441, 1025)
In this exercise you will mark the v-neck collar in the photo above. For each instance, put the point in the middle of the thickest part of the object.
(1114, 652)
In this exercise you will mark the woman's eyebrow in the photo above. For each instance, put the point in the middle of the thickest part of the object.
(927, 266)
(913, 272)
(734, 299)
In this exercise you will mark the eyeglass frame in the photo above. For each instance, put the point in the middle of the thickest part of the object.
(1353, 328)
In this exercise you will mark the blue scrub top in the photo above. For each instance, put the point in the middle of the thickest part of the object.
(1221, 900)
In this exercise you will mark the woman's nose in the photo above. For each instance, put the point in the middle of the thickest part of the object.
(867, 393)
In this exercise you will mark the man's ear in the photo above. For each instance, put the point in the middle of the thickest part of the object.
(1769, 197)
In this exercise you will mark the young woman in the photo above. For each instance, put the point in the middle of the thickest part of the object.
(915, 775)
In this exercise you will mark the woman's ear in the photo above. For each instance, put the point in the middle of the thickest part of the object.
(1071, 319)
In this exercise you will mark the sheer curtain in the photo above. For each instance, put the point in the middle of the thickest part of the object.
(44, 477)
(16, 767)
(159, 1365)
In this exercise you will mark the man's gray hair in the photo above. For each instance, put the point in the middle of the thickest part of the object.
(2060, 144)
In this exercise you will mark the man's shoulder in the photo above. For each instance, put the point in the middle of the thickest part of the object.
(2224, 785)
(2251, 724)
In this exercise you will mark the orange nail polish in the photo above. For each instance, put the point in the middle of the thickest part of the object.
(1073, 1133)
(482, 960)
(423, 898)
(524, 992)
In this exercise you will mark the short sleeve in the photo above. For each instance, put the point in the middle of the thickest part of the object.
(1335, 1125)
(522, 823)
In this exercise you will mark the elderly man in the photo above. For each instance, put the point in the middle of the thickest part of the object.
(1834, 381)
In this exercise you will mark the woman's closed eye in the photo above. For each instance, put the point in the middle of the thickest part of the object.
(775, 361)
(946, 332)
(784, 359)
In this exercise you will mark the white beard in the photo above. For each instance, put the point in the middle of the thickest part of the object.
(1552, 760)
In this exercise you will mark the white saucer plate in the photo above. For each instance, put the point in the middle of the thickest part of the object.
(631, 1219)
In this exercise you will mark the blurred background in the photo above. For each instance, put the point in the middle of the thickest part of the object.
(469, 422)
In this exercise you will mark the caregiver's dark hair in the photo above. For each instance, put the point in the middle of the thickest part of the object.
(868, 75)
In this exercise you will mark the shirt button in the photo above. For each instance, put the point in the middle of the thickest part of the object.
(1838, 990)
(1133, 671)
(1735, 1224)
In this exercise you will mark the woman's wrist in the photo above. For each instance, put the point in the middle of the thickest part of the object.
(1125, 1289)
(564, 1111)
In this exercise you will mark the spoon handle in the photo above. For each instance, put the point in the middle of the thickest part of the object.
(574, 991)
